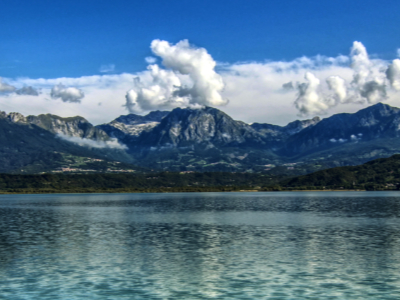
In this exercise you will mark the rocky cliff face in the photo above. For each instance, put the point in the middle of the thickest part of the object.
(275, 135)
(132, 119)
(15, 117)
(129, 127)
(298, 125)
(74, 126)
(206, 126)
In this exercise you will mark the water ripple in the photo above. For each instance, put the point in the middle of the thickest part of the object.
(200, 246)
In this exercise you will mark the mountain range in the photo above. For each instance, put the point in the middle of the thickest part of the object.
(204, 139)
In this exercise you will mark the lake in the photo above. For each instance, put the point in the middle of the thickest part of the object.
(280, 245)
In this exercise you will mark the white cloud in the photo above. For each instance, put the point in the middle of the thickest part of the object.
(111, 144)
(66, 94)
(155, 90)
(107, 68)
(368, 79)
(356, 138)
(198, 65)
(256, 94)
(338, 86)
(110, 90)
(393, 74)
(308, 100)
(338, 140)
(368, 84)
(190, 79)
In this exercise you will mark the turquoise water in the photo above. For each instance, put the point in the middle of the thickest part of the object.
(317, 245)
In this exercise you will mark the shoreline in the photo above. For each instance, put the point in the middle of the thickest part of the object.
(148, 191)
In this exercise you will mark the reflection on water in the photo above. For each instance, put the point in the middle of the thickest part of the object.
(200, 246)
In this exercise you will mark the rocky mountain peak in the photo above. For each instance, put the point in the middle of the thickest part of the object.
(274, 131)
(374, 122)
(155, 116)
(16, 117)
(380, 109)
(298, 125)
(132, 125)
(132, 119)
(188, 126)
(73, 126)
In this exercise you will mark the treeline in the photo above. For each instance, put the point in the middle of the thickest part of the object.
(379, 174)
(154, 182)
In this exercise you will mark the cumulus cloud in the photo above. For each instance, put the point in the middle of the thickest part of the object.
(360, 63)
(158, 91)
(368, 79)
(107, 68)
(5, 87)
(188, 80)
(27, 90)
(338, 86)
(393, 74)
(111, 144)
(198, 65)
(66, 94)
(369, 84)
(308, 100)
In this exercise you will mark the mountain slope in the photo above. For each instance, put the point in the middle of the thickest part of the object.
(204, 139)
(73, 126)
(372, 123)
(128, 127)
(376, 174)
(28, 148)
(207, 139)
(207, 126)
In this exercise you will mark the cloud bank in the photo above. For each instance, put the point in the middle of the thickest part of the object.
(369, 85)
(180, 75)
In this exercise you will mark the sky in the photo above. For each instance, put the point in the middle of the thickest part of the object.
(259, 61)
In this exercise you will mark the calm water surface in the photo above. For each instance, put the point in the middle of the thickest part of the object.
(319, 245)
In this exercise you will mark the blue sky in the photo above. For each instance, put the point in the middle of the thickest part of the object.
(276, 61)
(74, 38)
